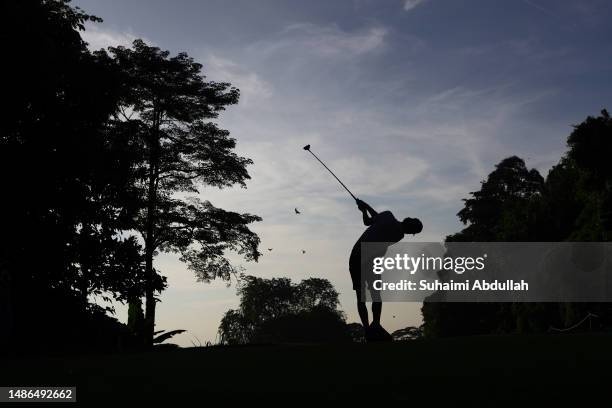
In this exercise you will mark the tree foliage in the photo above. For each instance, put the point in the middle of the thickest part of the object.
(276, 310)
(573, 203)
(66, 177)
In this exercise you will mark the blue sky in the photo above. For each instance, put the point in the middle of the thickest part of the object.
(411, 102)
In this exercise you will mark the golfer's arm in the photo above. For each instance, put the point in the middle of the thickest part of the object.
(367, 220)
(371, 211)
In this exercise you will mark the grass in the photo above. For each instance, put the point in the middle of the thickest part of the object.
(487, 369)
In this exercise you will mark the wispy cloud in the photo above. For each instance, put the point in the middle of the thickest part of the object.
(411, 4)
(567, 22)
(326, 40)
(252, 86)
(539, 7)
(332, 41)
(98, 37)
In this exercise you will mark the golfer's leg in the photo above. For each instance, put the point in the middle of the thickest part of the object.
(376, 312)
(376, 306)
(362, 310)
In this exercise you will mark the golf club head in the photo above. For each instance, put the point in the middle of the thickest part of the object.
(307, 147)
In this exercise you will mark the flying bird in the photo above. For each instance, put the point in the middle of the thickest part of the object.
(303, 251)
(297, 211)
(270, 249)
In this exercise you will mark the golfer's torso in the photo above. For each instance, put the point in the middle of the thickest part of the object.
(385, 228)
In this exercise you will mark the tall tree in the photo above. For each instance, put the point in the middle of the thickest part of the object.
(170, 107)
(64, 174)
(499, 211)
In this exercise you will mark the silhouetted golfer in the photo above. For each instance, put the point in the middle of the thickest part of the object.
(385, 229)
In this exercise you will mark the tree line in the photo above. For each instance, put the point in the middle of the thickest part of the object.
(572, 203)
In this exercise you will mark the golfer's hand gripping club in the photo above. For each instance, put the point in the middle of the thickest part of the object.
(361, 205)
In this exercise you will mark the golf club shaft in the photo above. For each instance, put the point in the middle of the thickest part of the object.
(332, 173)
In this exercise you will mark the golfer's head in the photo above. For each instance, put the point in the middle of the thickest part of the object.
(412, 226)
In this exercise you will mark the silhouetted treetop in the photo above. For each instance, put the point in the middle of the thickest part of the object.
(590, 145)
(509, 184)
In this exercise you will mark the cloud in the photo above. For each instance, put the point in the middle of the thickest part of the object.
(332, 41)
(539, 7)
(555, 15)
(251, 85)
(326, 40)
(398, 171)
(411, 4)
(99, 37)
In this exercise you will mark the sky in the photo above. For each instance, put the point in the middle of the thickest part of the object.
(410, 102)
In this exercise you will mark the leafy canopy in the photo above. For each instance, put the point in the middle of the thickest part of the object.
(168, 108)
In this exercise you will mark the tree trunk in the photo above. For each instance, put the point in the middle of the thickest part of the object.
(149, 325)
(150, 233)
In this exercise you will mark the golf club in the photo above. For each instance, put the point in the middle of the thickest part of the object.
(307, 148)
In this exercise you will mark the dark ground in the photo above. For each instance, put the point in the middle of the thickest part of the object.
(489, 370)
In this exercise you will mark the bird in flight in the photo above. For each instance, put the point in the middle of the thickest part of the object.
(270, 249)
(303, 251)
(297, 211)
